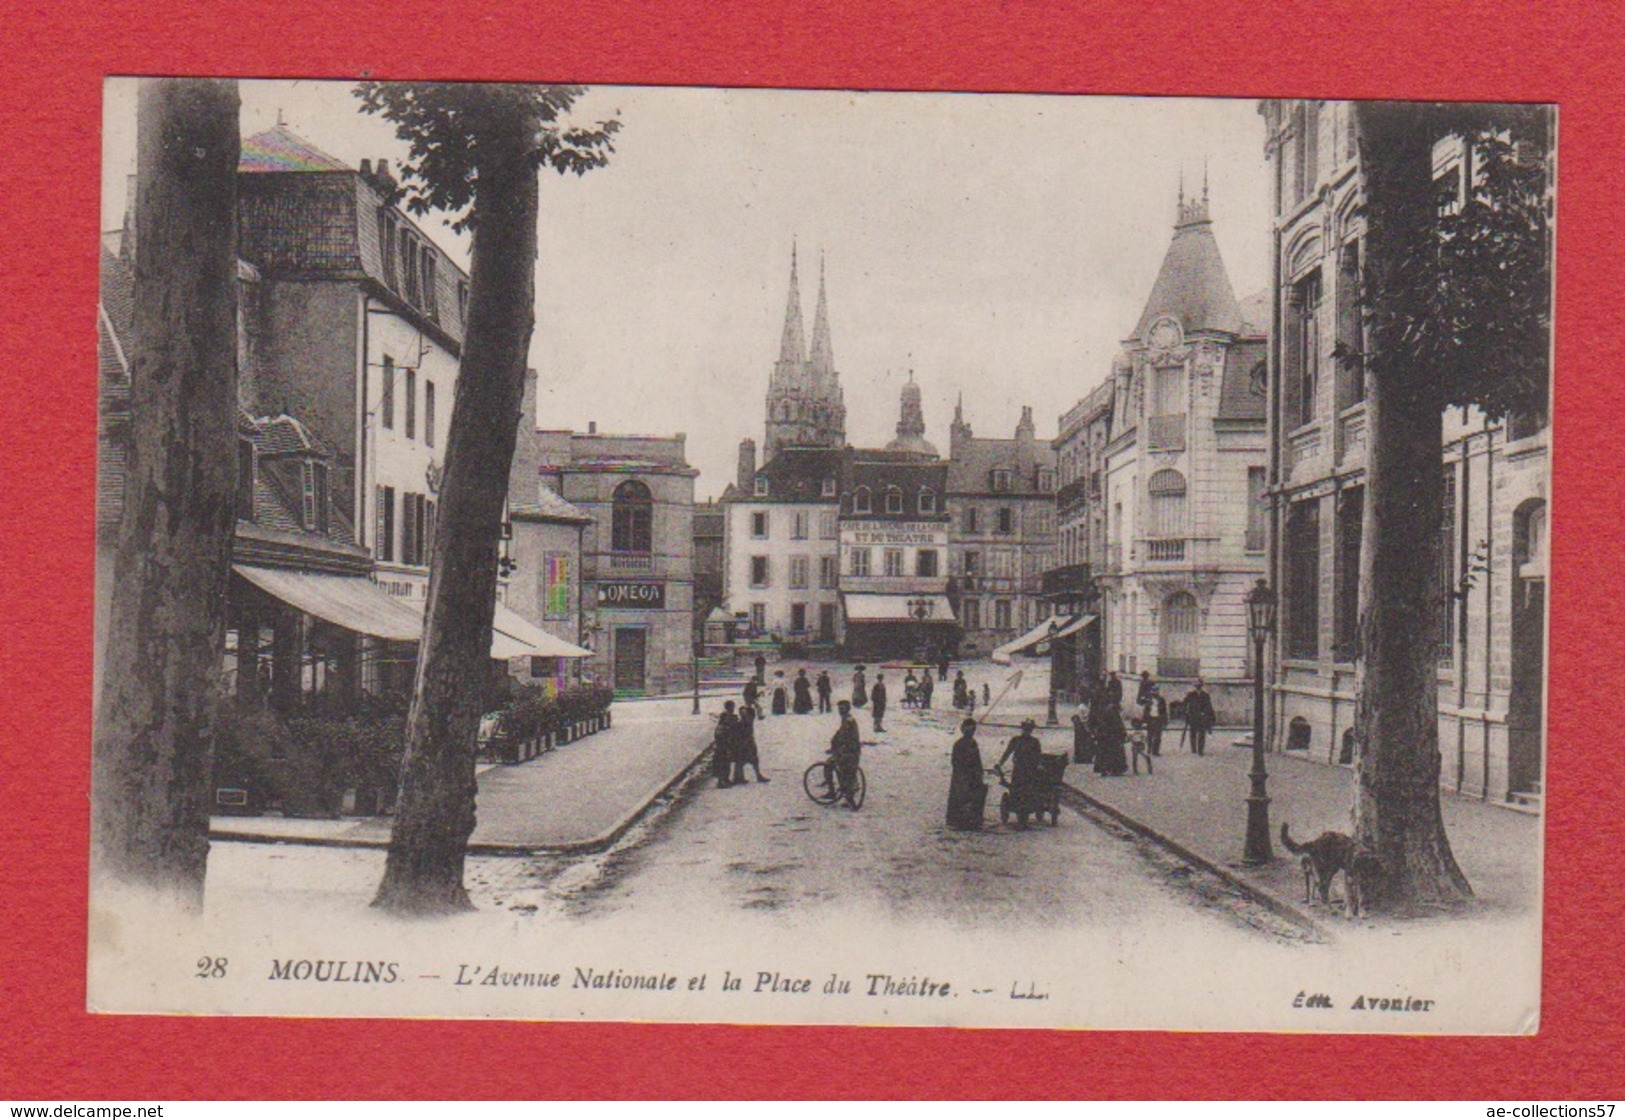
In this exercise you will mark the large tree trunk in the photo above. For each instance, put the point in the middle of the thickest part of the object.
(1397, 721)
(434, 815)
(166, 631)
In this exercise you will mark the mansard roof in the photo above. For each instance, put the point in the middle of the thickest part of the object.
(1193, 285)
(796, 474)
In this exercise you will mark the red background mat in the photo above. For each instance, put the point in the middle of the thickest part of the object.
(51, 89)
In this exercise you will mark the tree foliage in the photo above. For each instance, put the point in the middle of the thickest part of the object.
(452, 127)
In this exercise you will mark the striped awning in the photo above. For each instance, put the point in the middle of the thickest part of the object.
(353, 602)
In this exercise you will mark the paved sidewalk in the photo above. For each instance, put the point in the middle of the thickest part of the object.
(579, 797)
(1198, 804)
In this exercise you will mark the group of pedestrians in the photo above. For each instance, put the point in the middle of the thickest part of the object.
(1101, 738)
(735, 747)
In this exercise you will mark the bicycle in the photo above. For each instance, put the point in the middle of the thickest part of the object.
(821, 790)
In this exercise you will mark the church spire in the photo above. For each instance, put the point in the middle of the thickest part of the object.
(793, 346)
(823, 357)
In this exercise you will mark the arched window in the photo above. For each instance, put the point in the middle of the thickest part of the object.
(894, 500)
(860, 500)
(1179, 648)
(1167, 488)
(928, 500)
(633, 518)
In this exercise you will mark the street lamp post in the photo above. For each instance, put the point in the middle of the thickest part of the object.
(1260, 621)
(1051, 719)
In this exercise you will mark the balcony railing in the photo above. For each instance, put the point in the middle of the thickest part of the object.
(1165, 550)
(631, 561)
(1167, 433)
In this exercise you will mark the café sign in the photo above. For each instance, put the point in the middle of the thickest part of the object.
(647, 596)
(895, 533)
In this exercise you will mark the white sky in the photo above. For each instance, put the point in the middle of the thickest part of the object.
(998, 245)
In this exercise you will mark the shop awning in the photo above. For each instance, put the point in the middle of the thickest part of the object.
(1074, 626)
(1049, 628)
(874, 607)
(353, 602)
(538, 642)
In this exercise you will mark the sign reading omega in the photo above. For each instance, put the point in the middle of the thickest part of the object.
(646, 596)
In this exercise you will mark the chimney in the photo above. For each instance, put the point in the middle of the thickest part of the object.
(366, 169)
(1024, 430)
(747, 465)
(524, 474)
(592, 427)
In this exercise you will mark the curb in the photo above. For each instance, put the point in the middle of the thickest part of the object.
(1267, 899)
(589, 846)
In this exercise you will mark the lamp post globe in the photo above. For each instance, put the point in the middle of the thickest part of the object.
(1260, 624)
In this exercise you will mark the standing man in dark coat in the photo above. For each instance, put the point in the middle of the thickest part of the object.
(824, 690)
(722, 758)
(753, 696)
(1154, 711)
(1025, 756)
(942, 668)
(1112, 689)
(927, 687)
(761, 669)
(877, 698)
(745, 752)
(1199, 717)
(1147, 685)
(961, 690)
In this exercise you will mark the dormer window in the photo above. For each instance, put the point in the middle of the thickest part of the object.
(1000, 481)
(1046, 480)
(761, 486)
(860, 500)
(928, 500)
(894, 500)
(828, 490)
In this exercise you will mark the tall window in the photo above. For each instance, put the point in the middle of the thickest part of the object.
(632, 518)
(798, 572)
(411, 403)
(858, 565)
(758, 618)
(894, 500)
(1447, 568)
(758, 571)
(245, 480)
(1302, 348)
(386, 244)
(409, 273)
(383, 542)
(428, 412)
(1346, 575)
(1302, 556)
(925, 563)
(1257, 509)
(973, 563)
(928, 500)
(1350, 336)
(1001, 614)
(1167, 490)
(1167, 420)
(758, 524)
(828, 525)
(431, 302)
(970, 519)
(1179, 645)
(971, 609)
(1007, 522)
(894, 561)
(798, 525)
(386, 400)
(315, 496)
(828, 576)
(798, 618)
(860, 500)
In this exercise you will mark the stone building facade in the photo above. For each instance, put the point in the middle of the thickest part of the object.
(1001, 507)
(805, 403)
(1183, 477)
(637, 553)
(1070, 587)
(1496, 489)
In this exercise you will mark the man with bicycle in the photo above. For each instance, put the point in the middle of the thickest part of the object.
(845, 752)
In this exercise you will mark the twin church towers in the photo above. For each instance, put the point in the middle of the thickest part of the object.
(805, 406)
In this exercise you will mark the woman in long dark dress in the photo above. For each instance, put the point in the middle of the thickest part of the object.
(860, 688)
(1083, 738)
(803, 690)
(967, 792)
(1110, 736)
(722, 753)
(745, 753)
(781, 695)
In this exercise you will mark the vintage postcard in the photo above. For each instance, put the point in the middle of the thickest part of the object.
(753, 556)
